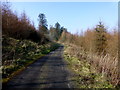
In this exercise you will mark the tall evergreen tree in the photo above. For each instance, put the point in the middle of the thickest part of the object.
(43, 23)
(57, 28)
(100, 39)
(52, 33)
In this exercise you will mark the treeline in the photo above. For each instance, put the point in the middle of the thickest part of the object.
(99, 47)
(20, 27)
(97, 40)
(22, 43)
(15, 26)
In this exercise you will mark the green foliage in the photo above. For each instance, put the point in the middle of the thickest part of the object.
(100, 39)
(42, 23)
(57, 28)
(56, 32)
(18, 53)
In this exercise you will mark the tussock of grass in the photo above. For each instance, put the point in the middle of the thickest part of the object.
(87, 76)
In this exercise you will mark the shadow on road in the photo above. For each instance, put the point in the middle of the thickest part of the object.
(48, 72)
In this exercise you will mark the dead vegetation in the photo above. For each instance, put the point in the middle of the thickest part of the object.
(101, 54)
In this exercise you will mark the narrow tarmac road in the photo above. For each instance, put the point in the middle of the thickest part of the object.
(48, 72)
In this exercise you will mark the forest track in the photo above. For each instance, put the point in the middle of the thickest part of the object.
(49, 71)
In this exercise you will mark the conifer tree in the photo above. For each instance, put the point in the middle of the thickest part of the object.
(43, 24)
(100, 39)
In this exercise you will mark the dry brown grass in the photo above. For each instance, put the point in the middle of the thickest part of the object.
(83, 47)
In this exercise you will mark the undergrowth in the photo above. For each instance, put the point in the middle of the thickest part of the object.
(17, 54)
(87, 76)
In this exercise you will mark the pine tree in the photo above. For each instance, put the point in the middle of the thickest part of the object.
(43, 24)
(57, 28)
(100, 39)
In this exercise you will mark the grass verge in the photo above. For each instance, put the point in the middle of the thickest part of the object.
(87, 76)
